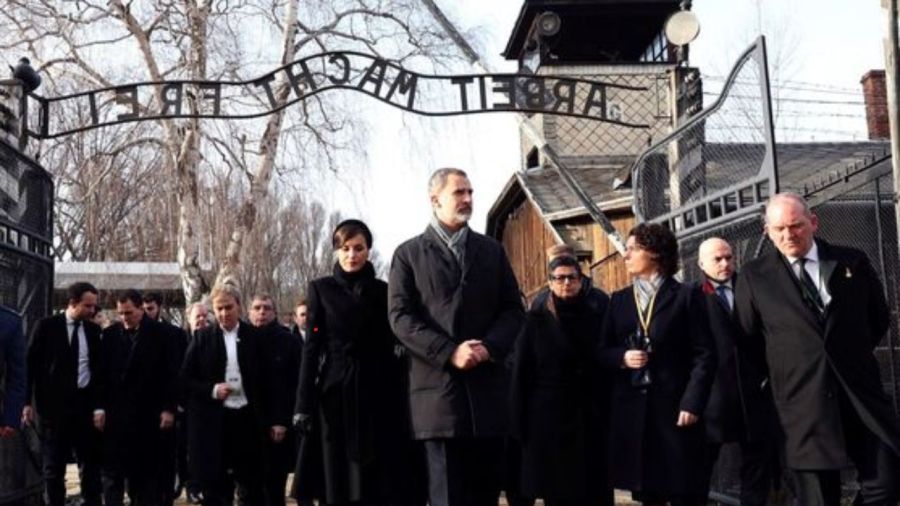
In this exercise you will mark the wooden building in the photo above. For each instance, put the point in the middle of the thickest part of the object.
(620, 43)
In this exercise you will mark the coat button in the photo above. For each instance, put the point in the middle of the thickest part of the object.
(829, 394)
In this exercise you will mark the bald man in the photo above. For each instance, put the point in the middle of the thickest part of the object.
(817, 311)
(739, 408)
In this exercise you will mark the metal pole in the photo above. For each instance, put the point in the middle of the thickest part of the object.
(533, 134)
(892, 75)
(887, 293)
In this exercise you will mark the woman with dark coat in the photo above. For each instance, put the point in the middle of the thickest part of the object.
(352, 401)
(560, 397)
(657, 343)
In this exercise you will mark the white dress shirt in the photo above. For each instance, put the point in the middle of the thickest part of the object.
(812, 268)
(237, 399)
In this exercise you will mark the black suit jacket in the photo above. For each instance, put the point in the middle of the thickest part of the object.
(740, 406)
(811, 362)
(434, 307)
(139, 378)
(204, 367)
(52, 375)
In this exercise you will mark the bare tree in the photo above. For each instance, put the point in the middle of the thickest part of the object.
(97, 43)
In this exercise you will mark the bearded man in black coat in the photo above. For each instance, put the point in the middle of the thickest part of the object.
(816, 311)
(455, 304)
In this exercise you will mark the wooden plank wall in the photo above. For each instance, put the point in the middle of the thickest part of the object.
(526, 238)
(610, 275)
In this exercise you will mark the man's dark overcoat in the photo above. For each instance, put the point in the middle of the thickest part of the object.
(357, 392)
(436, 304)
(740, 403)
(650, 454)
(204, 367)
(810, 359)
(139, 378)
(560, 401)
(282, 354)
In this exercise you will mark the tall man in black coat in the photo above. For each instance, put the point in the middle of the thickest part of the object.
(223, 375)
(283, 358)
(139, 395)
(454, 303)
(816, 311)
(174, 444)
(740, 408)
(65, 384)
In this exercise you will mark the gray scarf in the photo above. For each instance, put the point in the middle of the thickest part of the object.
(647, 288)
(455, 242)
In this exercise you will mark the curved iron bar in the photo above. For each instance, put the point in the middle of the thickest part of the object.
(703, 115)
(45, 101)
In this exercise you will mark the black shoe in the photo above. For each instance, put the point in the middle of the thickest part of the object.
(194, 497)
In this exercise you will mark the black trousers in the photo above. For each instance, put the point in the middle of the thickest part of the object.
(877, 467)
(73, 432)
(758, 459)
(464, 471)
(143, 487)
(243, 463)
(277, 459)
(167, 465)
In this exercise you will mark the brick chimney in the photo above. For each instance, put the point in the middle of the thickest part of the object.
(875, 96)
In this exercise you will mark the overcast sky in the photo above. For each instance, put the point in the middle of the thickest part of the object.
(827, 44)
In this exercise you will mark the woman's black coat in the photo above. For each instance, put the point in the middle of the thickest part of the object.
(650, 454)
(560, 401)
(357, 396)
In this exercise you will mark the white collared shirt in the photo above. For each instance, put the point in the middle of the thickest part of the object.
(812, 268)
(237, 398)
(84, 363)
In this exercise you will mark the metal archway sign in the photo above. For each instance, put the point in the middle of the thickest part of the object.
(424, 94)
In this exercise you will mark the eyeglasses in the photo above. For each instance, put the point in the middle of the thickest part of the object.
(563, 278)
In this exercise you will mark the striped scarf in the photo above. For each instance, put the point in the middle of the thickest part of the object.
(646, 288)
(455, 242)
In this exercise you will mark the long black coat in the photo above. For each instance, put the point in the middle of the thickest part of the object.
(139, 385)
(357, 395)
(433, 308)
(649, 452)
(809, 362)
(52, 375)
(204, 367)
(740, 404)
(282, 351)
(560, 402)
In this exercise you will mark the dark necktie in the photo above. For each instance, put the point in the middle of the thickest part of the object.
(810, 291)
(722, 292)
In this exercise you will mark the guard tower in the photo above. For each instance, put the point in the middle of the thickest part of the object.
(618, 42)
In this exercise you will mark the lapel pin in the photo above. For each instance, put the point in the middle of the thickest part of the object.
(847, 273)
